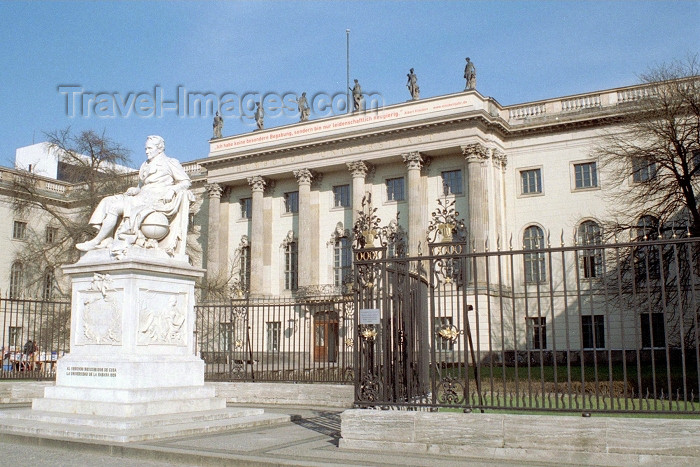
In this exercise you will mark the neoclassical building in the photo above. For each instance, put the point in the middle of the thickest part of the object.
(281, 202)
(276, 207)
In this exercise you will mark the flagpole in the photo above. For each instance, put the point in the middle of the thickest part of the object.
(347, 67)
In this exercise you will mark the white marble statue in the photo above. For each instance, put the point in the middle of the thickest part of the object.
(153, 214)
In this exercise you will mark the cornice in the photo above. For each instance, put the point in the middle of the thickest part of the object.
(479, 117)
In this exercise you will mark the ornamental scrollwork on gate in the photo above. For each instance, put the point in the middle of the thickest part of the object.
(368, 332)
(447, 236)
(450, 391)
(370, 387)
(367, 230)
(445, 225)
(450, 333)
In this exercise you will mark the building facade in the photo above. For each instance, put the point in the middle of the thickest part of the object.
(276, 207)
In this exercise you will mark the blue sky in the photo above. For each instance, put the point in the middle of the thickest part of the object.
(523, 51)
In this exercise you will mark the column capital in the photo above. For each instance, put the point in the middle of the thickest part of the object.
(475, 152)
(214, 190)
(499, 158)
(413, 160)
(257, 183)
(303, 176)
(358, 168)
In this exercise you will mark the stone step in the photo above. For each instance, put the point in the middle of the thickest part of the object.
(124, 430)
(134, 409)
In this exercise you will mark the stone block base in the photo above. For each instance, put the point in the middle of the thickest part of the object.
(129, 429)
(128, 402)
(608, 441)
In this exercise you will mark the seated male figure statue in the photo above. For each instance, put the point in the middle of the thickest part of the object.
(163, 188)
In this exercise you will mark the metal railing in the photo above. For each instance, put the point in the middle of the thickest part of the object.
(34, 334)
(276, 339)
(586, 328)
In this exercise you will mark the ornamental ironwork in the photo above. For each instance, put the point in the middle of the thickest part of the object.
(367, 229)
(451, 391)
(450, 333)
(445, 225)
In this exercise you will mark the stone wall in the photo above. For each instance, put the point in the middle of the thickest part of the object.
(609, 441)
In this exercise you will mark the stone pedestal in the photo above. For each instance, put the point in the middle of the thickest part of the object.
(132, 339)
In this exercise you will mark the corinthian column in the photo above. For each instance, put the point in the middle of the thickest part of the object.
(304, 177)
(214, 190)
(413, 161)
(359, 171)
(257, 184)
(476, 156)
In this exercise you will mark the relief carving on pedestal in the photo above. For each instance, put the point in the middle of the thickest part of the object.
(101, 316)
(162, 319)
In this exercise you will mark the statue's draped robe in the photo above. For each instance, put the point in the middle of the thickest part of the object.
(157, 178)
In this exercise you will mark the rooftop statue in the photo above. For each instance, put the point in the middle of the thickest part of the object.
(357, 98)
(303, 107)
(259, 116)
(412, 85)
(470, 75)
(153, 214)
(218, 125)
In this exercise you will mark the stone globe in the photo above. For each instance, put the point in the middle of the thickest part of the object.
(155, 226)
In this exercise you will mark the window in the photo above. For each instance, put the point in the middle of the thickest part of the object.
(586, 175)
(593, 329)
(443, 343)
(291, 268)
(342, 259)
(16, 279)
(533, 239)
(452, 182)
(647, 228)
(244, 270)
(531, 181)
(536, 333)
(589, 233)
(394, 189)
(228, 337)
(653, 330)
(246, 208)
(291, 202)
(19, 230)
(274, 331)
(48, 284)
(51, 234)
(642, 170)
(341, 196)
(15, 336)
(646, 257)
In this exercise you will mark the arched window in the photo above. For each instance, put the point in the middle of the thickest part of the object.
(535, 269)
(48, 284)
(590, 233)
(342, 260)
(647, 228)
(16, 279)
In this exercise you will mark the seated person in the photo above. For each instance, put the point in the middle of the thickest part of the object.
(163, 187)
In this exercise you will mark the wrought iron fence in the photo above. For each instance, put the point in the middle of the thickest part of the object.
(35, 333)
(585, 328)
(277, 339)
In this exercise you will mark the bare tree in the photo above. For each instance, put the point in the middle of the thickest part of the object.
(654, 161)
(94, 164)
